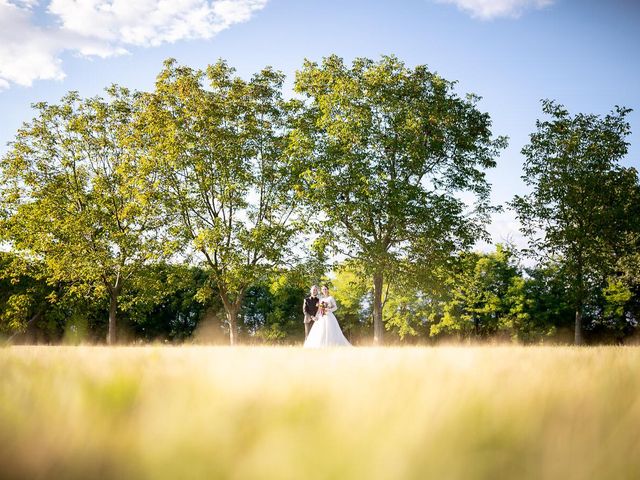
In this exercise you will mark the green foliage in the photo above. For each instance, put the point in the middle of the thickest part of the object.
(489, 295)
(272, 310)
(617, 294)
(406, 312)
(20, 293)
(33, 309)
(388, 148)
(164, 303)
(622, 293)
(352, 291)
(542, 303)
(629, 275)
(483, 295)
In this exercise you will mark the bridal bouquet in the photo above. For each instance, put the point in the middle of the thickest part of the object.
(322, 308)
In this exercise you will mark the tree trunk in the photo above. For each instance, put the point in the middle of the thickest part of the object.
(232, 308)
(377, 308)
(113, 310)
(578, 340)
(232, 318)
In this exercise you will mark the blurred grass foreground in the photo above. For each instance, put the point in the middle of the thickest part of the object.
(287, 413)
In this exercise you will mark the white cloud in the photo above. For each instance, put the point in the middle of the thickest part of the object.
(27, 52)
(103, 28)
(488, 9)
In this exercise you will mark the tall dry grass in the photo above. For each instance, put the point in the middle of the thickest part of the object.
(287, 413)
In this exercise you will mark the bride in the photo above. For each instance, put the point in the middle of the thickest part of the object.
(326, 331)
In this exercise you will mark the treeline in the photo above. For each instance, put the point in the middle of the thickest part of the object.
(205, 208)
(482, 297)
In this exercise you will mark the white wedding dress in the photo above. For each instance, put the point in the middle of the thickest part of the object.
(325, 331)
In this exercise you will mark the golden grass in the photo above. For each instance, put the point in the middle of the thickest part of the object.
(287, 413)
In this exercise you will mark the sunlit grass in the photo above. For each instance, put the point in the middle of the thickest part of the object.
(198, 412)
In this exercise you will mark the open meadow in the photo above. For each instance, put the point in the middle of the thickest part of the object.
(221, 412)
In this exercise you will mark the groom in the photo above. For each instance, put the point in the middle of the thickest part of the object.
(310, 310)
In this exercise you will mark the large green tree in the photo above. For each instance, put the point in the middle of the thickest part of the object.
(391, 153)
(578, 209)
(76, 195)
(219, 141)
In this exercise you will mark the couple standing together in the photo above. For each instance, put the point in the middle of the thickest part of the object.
(321, 328)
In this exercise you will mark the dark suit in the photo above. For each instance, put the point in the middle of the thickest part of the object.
(310, 310)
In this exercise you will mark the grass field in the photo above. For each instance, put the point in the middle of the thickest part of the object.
(287, 413)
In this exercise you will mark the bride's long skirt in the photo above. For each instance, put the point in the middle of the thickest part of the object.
(326, 333)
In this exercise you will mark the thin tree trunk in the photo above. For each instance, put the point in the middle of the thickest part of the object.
(377, 308)
(578, 340)
(113, 311)
(232, 318)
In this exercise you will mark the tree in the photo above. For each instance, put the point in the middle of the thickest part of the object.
(391, 151)
(481, 295)
(579, 204)
(76, 195)
(218, 142)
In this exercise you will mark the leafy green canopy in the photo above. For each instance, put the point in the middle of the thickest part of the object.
(391, 151)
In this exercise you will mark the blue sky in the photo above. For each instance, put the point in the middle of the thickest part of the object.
(583, 53)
